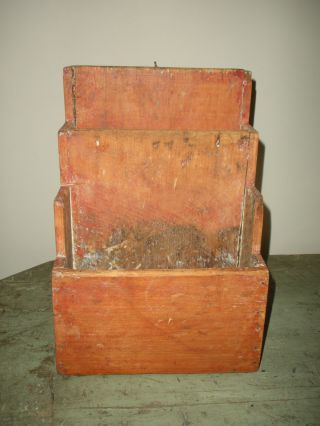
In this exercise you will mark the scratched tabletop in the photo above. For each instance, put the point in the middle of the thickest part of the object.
(285, 391)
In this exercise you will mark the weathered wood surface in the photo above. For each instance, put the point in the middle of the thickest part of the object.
(156, 98)
(120, 178)
(285, 391)
(252, 223)
(63, 226)
(139, 158)
(159, 321)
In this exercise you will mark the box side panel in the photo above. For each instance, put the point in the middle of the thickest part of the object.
(258, 222)
(159, 324)
(120, 179)
(62, 220)
(246, 102)
(253, 146)
(59, 223)
(251, 230)
(69, 95)
(161, 98)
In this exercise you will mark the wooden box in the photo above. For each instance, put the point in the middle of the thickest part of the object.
(158, 223)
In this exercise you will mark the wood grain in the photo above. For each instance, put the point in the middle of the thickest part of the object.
(159, 322)
(158, 98)
(173, 146)
(251, 229)
(63, 227)
(69, 99)
(122, 178)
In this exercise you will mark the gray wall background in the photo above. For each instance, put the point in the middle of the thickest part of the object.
(278, 40)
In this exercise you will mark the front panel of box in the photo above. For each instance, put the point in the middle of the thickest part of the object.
(159, 323)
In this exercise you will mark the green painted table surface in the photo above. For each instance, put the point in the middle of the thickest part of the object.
(286, 390)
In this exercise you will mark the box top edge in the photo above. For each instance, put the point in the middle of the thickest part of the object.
(60, 270)
(69, 129)
(140, 67)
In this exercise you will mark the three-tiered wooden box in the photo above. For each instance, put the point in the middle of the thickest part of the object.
(158, 223)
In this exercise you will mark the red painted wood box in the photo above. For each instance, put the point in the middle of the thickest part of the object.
(158, 223)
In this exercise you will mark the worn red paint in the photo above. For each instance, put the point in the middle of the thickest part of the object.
(172, 145)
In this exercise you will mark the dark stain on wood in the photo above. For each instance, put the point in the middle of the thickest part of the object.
(160, 245)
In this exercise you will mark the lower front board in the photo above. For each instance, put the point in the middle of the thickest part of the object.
(181, 321)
